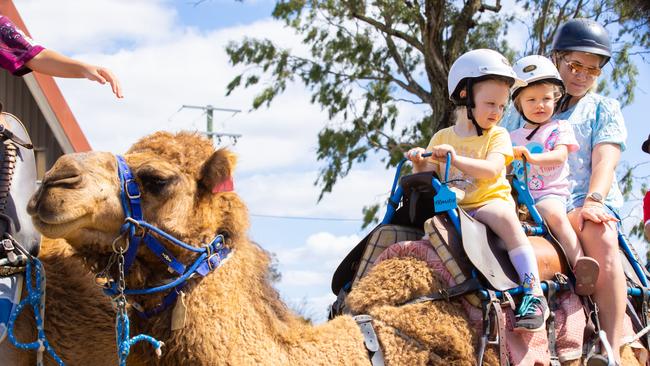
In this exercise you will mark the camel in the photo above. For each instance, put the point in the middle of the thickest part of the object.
(233, 315)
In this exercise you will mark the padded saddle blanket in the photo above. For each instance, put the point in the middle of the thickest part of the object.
(523, 348)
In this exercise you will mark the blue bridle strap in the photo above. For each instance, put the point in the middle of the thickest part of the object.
(130, 197)
(138, 230)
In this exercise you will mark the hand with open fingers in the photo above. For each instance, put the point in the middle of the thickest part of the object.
(103, 75)
(439, 152)
(415, 155)
(595, 213)
(521, 152)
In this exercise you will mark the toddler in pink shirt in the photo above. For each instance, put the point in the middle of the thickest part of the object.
(546, 143)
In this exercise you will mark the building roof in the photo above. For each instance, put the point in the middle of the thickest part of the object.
(49, 98)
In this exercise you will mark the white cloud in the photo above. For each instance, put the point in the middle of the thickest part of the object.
(98, 24)
(293, 193)
(304, 278)
(323, 249)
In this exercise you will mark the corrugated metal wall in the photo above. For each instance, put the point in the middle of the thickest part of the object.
(18, 100)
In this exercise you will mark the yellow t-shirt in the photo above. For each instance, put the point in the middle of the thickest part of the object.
(478, 192)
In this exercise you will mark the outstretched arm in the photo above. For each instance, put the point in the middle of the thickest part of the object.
(55, 64)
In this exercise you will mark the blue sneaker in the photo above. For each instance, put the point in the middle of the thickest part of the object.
(532, 314)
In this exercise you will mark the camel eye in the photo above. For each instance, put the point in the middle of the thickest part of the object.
(153, 183)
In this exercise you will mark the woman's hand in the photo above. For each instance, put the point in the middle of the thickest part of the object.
(103, 75)
(596, 213)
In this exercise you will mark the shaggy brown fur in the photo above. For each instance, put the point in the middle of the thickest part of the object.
(234, 315)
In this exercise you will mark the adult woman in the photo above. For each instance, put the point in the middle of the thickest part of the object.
(580, 49)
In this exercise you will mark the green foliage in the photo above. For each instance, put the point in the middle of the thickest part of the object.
(366, 60)
(632, 193)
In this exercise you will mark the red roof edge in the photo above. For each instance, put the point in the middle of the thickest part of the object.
(51, 91)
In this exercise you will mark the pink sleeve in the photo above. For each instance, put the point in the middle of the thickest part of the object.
(16, 49)
(566, 136)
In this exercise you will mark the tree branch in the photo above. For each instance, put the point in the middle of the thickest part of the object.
(495, 8)
(459, 32)
(542, 24)
(413, 86)
(389, 31)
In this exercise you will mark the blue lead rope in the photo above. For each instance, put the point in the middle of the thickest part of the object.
(124, 342)
(35, 298)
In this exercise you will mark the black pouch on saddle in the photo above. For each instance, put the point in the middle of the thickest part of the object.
(417, 201)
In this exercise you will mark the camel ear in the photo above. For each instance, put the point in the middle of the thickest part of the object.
(217, 172)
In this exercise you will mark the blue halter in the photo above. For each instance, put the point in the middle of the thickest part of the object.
(138, 231)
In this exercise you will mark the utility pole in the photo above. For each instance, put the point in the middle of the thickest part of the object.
(209, 110)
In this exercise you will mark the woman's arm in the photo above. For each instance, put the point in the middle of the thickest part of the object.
(604, 159)
(55, 64)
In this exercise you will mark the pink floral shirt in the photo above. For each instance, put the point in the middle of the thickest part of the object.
(547, 179)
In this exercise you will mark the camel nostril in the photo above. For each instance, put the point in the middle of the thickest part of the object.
(66, 172)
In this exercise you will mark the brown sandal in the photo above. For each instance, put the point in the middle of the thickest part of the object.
(586, 274)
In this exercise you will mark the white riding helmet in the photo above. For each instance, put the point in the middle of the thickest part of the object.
(535, 68)
(476, 64)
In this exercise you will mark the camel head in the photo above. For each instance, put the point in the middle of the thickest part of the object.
(181, 178)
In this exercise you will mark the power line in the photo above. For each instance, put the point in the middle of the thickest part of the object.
(304, 218)
(209, 110)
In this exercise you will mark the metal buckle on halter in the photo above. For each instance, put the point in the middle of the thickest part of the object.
(126, 189)
(210, 265)
(210, 250)
(140, 231)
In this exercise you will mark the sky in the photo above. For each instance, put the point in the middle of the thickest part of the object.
(170, 53)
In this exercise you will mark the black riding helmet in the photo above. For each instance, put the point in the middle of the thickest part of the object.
(584, 35)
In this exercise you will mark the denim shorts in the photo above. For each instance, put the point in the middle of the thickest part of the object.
(558, 197)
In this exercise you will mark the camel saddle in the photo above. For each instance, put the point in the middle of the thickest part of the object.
(481, 249)
(17, 184)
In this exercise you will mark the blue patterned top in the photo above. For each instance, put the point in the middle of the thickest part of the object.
(595, 119)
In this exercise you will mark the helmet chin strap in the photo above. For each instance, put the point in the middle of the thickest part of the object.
(537, 126)
(470, 104)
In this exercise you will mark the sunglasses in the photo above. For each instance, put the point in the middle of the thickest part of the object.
(577, 67)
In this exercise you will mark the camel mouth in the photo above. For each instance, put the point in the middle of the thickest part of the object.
(59, 226)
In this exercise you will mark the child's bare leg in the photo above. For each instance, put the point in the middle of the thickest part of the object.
(501, 217)
(554, 212)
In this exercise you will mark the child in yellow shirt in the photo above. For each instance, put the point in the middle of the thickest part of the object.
(479, 84)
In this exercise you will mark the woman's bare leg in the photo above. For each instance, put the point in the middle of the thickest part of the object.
(600, 241)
